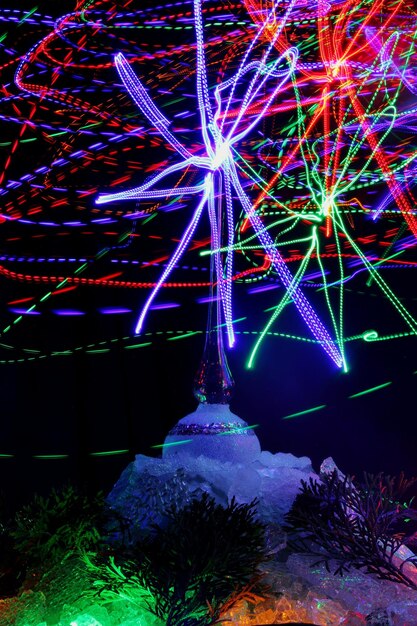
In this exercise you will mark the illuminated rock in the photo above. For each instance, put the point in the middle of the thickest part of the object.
(149, 485)
(357, 590)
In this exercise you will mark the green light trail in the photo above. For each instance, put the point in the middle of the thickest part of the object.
(314, 408)
(370, 390)
(195, 332)
(50, 456)
(138, 345)
(27, 15)
(109, 453)
(173, 443)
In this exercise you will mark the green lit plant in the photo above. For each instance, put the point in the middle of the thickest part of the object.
(11, 573)
(52, 528)
(192, 569)
(365, 526)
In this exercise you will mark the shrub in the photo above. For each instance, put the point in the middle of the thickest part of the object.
(362, 526)
(192, 569)
(51, 528)
(11, 574)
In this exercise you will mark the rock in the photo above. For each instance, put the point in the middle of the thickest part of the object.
(356, 590)
(403, 613)
(31, 610)
(379, 617)
(267, 460)
(328, 466)
(149, 485)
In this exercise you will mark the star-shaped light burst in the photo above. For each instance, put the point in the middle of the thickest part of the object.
(220, 181)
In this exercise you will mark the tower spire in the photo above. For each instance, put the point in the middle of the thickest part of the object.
(213, 382)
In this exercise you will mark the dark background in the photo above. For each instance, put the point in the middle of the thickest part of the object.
(126, 400)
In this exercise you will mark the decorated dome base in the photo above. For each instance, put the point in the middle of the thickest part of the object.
(214, 431)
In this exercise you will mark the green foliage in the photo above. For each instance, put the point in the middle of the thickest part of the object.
(52, 528)
(192, 569)
(361, 526)
(11, 575)
(113, 581)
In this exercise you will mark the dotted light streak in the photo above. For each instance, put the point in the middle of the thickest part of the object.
(369, 336)
(332, 64)
(326, 173)
(219, 159)
(339, 20)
